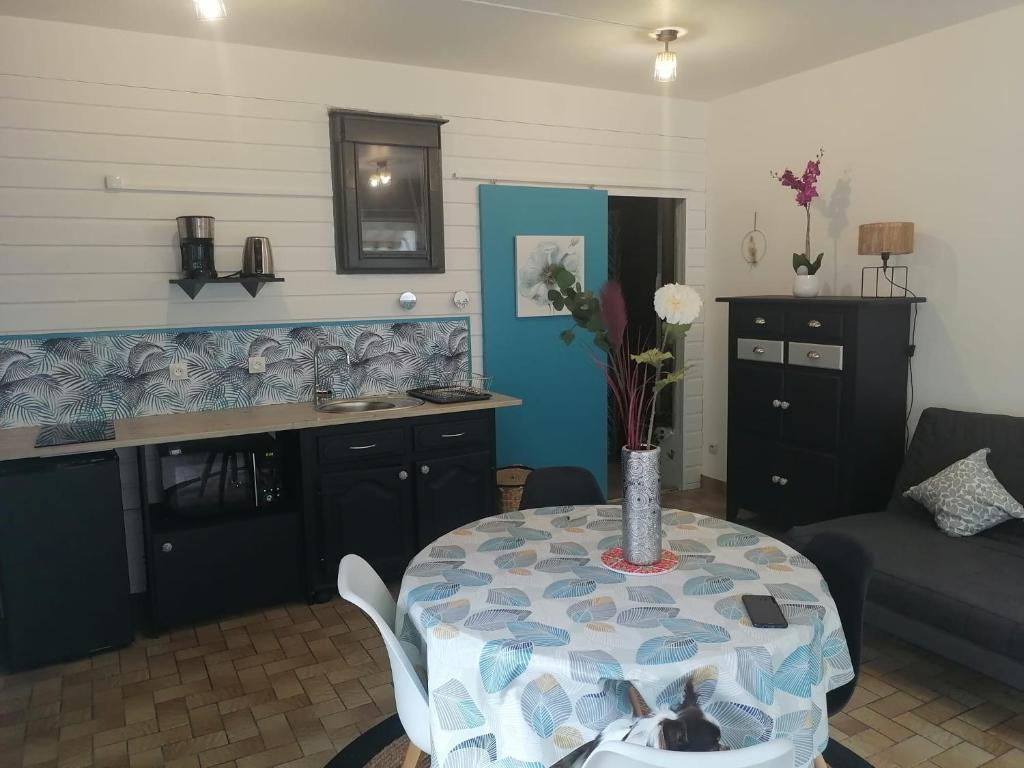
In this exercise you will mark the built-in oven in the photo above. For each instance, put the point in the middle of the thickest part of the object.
(219, 478)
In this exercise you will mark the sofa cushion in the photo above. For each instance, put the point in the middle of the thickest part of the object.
(966, 498)
(967, 587)
(944, 436)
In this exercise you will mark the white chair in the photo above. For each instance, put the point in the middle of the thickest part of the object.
(618, 754)
(360, 585)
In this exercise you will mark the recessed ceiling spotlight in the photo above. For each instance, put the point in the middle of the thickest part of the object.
(665, 63)
(209, 10)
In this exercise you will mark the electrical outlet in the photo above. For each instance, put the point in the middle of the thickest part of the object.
(178, 371)
(257, 364)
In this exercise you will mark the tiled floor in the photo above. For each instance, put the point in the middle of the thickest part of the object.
(293, 685)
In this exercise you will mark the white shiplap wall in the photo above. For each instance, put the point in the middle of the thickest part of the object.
(240, 133)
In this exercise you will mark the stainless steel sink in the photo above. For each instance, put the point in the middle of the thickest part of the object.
(365, 404)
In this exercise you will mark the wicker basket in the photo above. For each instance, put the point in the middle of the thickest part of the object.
(511, 481)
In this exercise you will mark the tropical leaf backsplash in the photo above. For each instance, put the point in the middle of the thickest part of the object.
(55, 379)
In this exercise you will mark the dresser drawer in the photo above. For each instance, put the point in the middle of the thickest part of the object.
(757, 322)
(759, 350)
(361, 445)
(812, 325)
(452, 435)
(828, 356)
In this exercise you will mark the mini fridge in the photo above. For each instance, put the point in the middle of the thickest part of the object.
(64, 590)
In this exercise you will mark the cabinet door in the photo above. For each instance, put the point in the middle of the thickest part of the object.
(754, 468)
(811, 418)
(451, 492)
(755, 388)
(368, 512)
(810, 487)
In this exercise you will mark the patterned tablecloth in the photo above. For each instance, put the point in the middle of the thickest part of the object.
(526, 638)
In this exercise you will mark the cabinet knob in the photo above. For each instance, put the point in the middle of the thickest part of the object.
(776, 403)
(425, 469)
(775, 479)
(784, 405)
(783, 480)
(814, 323)
(759, 321)
(403, 475)
(166, 546)
(812, 355)
(758, 350)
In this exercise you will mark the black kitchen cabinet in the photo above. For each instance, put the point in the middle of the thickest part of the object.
(817, 405)
(452, 491)
(384, 490)
(356, 505)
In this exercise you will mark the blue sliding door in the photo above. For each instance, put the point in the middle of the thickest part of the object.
(564, 417)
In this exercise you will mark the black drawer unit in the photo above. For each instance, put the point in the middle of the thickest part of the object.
(817, 405)
(63, 563)
(384, 491)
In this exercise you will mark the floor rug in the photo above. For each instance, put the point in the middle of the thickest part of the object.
(384, 746)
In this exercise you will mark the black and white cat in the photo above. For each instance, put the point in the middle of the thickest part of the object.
(682, 728)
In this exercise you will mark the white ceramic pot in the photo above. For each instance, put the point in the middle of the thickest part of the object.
(805, 286)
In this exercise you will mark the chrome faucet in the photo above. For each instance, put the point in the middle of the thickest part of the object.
(319, 395)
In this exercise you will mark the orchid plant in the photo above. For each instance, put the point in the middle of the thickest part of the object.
(634, 377)
(806, 187)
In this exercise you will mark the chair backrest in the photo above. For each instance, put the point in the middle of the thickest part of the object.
(618, 754)
(846, 566)
(360, 585)
(560, 486)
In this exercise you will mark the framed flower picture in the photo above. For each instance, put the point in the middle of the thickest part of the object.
(536, 258)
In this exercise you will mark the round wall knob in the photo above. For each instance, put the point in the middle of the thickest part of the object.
(425, 469)
(403, 475)
(166, 546)
(460, 299)
(407, 300)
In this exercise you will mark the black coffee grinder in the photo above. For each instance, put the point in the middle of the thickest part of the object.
(196, 236)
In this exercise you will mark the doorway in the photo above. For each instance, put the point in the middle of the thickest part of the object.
(646, 250)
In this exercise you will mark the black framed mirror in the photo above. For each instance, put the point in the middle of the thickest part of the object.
(388, 205)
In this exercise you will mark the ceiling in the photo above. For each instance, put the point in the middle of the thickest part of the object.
(731, 45)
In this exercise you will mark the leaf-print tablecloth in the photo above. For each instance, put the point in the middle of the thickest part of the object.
(526, 638)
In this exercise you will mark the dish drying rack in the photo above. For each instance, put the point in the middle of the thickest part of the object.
(462, 389)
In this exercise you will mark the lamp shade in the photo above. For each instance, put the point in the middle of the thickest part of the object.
(888, 237)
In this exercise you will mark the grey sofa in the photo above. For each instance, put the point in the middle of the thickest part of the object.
(960, 597)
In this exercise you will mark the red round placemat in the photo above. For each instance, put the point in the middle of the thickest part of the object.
(614, 559)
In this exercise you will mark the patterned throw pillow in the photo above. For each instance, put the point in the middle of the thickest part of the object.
(966, 498)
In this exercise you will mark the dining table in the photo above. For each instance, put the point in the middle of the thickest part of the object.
(528, 643)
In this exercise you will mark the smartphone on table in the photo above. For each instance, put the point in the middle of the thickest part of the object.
(764, 612)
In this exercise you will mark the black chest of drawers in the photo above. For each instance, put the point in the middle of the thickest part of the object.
(817, 405)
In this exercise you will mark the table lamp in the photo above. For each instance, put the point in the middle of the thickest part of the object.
(884, 239)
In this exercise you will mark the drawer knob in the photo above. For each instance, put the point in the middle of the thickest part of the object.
(812, 355)
(776, 479)
(784, 405)
(783, 480)
(776, 403)
(814, 323)
(403, 475)
(166, 547)
(758, 350)
(425, 469)
(759, 321)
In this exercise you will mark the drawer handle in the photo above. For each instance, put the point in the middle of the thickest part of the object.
(760, 321)
(758, 350)
(812, 355)
(814, 323)
(362, 447)
(457, 434)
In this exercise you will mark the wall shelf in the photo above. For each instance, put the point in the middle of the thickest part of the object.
(252, 283)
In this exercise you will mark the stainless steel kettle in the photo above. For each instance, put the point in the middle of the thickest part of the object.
(257, 257)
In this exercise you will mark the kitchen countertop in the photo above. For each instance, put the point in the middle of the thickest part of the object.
(18, 442)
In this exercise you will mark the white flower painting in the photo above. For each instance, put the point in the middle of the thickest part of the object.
(536, 255)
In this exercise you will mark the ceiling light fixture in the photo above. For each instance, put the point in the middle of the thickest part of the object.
(208, 10)
(665, 63)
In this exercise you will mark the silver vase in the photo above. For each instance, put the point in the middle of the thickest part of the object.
(641, 506)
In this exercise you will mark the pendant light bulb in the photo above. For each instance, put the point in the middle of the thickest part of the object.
(666, 63)
(383, 174)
